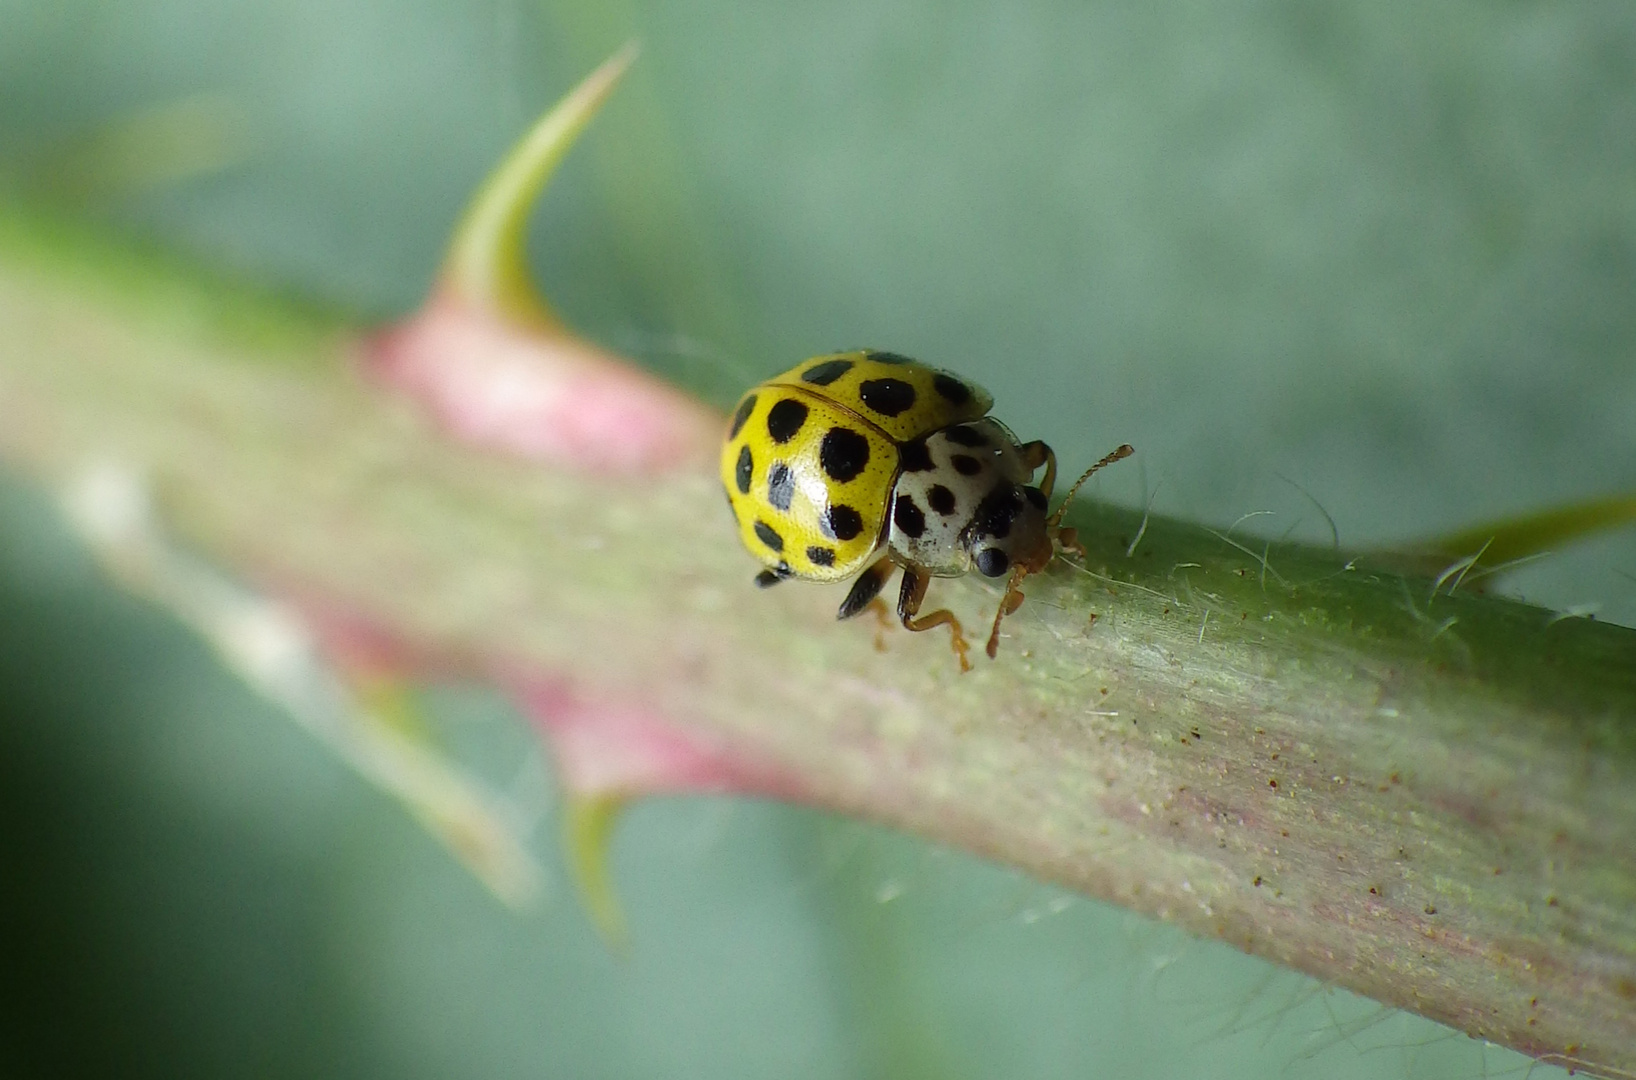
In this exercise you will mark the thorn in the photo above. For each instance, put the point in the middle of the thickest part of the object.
(1507, 542)
(390, 699)
(486, 265)
(154, 148)
(587, 836)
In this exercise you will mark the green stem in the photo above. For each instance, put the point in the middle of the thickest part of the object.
(1426, 798)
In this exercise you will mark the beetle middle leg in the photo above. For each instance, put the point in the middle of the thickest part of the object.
(866, 588)
(883, 622)
(915, 583)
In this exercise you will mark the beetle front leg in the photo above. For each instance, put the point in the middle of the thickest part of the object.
(1009, 603)
(910, 596)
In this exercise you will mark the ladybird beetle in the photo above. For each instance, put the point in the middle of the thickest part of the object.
(854, 462)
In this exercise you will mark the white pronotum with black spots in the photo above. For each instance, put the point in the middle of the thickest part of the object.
(965, 499)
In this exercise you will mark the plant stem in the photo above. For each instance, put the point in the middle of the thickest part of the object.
(1426, 798)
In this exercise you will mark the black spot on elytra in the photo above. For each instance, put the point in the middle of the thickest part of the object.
(953, 390)
(826, 373)
(780, 485)
(1035, 496)
(992, 562)
(908, 517)
(966, 465)
(841, 523)
(914, 456)
(843, 454)
(887, 357)
(769, 536)
(997, 511)
(745, 408)
(962, 435)
(785, 418)
(745, 469)
(941, 499)
(821, 556)
(889, 397)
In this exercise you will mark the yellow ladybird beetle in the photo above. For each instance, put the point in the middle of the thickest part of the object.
(855, 462)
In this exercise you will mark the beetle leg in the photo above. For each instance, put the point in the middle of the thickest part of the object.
(1010, 602)
(768, 578)
(883, 622)
(866, 588)
(915, 583)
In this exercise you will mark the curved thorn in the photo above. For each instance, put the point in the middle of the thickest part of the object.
(150, 149)
(486, 264)
(587, 834)
(1499, 543)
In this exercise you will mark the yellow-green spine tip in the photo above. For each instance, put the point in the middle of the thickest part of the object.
(587, 836)
(486, 265)
(1498, 543)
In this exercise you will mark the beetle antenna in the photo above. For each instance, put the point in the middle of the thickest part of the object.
(1124, 451)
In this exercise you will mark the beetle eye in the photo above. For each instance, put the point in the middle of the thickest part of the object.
(992, 562)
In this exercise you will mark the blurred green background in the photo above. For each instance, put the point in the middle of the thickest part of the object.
(1374, 257)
